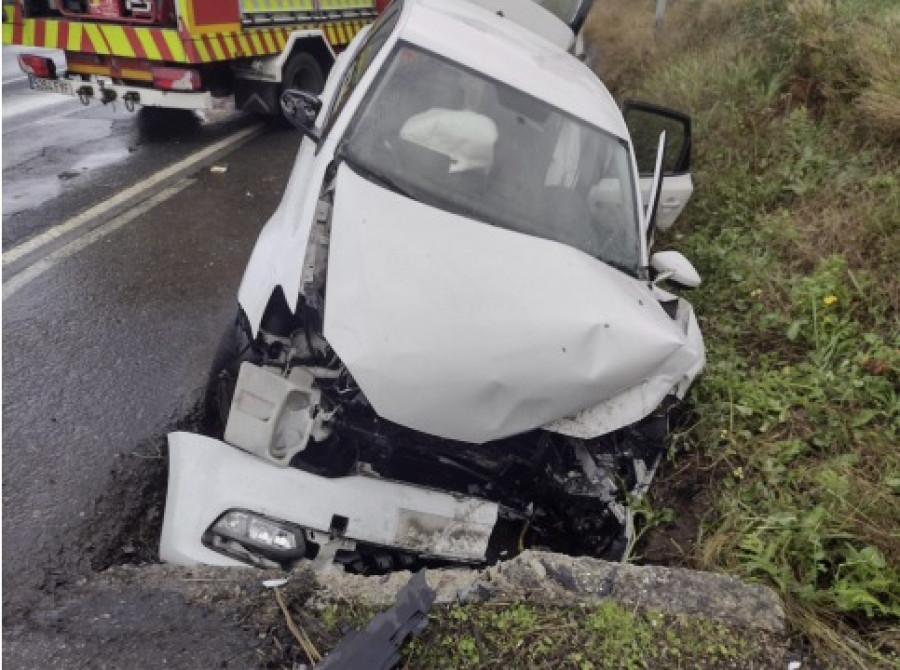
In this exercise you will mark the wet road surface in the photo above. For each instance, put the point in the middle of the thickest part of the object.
(60, 158)
(108, 344)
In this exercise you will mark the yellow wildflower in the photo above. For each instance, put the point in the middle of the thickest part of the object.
(829, 300)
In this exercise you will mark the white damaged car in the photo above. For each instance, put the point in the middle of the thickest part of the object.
(452, 341)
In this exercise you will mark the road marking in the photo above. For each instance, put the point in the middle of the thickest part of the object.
(118, 200)
(35, 270)
(14, 80)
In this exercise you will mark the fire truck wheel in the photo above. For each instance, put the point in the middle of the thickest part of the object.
(303, 72)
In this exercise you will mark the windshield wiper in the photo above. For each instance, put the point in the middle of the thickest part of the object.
(372, 175)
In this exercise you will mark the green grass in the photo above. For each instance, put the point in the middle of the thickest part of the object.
(794, 227)
(524, 634)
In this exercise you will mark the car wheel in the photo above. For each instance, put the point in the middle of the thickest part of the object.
(234, 348)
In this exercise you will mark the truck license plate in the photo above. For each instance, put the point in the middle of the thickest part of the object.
(63, 86)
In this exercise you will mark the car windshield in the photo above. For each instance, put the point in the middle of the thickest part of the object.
(454, 139)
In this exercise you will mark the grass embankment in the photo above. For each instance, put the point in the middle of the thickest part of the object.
(522, 634)
(794, 227)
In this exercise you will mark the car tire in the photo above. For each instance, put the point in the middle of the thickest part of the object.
(234, 348)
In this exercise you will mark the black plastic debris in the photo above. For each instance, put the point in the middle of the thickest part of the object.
(377, 646)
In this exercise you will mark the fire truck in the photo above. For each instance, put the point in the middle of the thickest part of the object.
(184, 54)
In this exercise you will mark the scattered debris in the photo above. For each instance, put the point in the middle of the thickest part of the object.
(297, 631)
(378, 645)
(219, 169)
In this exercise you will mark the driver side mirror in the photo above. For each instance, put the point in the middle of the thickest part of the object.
(673, 266)
(302, 108)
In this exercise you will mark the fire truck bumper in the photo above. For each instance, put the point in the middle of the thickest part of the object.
(102, 90)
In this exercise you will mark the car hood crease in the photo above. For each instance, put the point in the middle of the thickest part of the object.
(471, 332)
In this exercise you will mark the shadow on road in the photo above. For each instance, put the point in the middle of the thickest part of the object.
(156, 125)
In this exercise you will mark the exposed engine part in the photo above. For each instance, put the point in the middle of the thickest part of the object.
(562, 493)
(274, 416)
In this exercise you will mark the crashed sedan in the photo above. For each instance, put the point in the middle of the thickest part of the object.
(452, 341)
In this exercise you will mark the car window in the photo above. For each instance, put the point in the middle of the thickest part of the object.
(376, 39)
(453, 138)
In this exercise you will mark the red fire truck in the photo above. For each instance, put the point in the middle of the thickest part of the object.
(185, 54)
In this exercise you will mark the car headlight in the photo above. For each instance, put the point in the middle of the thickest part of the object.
(250, 537)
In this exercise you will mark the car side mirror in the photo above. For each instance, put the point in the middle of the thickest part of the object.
(302, 108)
(674, 267)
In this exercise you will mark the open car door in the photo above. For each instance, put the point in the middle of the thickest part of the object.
(645, 123)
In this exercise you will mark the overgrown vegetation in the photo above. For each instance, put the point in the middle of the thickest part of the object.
(794, 227)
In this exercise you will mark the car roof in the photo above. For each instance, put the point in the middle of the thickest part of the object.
(485, 42)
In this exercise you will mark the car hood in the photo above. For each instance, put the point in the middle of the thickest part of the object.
(471, 332)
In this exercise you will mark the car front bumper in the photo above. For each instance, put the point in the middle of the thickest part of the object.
(208, 478)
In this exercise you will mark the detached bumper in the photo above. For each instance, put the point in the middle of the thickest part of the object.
(208, 477)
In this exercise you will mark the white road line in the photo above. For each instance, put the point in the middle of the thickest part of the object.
(35, 270)
(118, 200)
(13, 80)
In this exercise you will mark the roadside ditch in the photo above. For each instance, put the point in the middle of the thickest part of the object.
(540, 609)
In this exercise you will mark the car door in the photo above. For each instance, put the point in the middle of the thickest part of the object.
(645, 122)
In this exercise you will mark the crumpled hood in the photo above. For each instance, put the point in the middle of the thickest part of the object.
(471, 332)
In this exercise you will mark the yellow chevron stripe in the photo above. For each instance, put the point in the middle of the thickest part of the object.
(28, 33)
(244, 45)
(146, 40)
(257, 43)
(118, 41)
(96, 38)
(7, 33)
(230, 47)
(51, 33)
(175, 45)
(270, 43)
(201, 50)
(74, 41)
(217, 48)
(342, 38)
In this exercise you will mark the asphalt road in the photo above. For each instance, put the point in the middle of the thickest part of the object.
(122, 254)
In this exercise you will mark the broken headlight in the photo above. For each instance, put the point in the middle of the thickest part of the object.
(255, 539)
